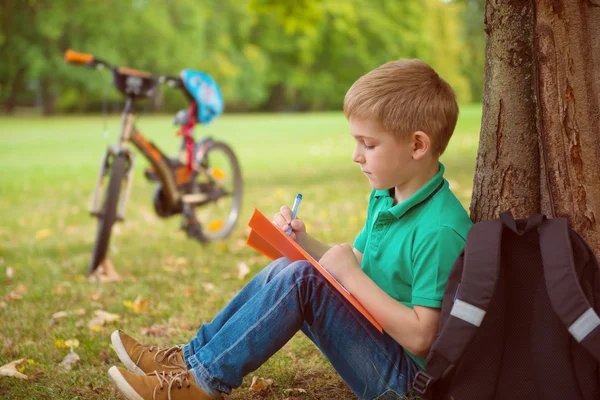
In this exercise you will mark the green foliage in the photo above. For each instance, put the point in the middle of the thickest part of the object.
(472, 56)
(265, 54)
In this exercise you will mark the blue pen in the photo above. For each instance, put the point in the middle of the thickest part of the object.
(294, 212)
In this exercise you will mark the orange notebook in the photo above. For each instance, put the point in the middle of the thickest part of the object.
(271, 241)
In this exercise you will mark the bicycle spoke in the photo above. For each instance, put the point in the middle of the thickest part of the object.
(221, 182)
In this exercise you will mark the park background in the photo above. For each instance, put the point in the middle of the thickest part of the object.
(284, 68)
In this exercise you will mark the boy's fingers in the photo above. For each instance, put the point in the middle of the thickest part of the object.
(298, 225)
(280, 221)
(286, 212)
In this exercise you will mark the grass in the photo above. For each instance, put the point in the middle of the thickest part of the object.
(48, 170)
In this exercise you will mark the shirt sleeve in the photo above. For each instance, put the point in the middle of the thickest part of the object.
(361, 239)
(433, 259)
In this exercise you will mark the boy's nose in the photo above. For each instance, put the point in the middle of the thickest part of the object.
(357, 157)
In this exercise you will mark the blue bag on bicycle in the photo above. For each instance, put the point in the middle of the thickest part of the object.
(206, 92)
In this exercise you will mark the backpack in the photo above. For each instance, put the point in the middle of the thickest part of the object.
(519, 317)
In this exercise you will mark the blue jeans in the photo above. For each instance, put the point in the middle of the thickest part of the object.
(280, 300)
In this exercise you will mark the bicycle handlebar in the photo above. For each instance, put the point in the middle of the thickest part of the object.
(74, 57)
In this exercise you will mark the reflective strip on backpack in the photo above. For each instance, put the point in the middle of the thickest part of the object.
(467, 312)
(586, 323)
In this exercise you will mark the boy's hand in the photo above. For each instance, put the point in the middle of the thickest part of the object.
(283, 219)
(339, 261)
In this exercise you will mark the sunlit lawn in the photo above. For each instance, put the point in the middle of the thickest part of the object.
(48, 168)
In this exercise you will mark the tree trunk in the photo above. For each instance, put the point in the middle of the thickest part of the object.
(48, 97)
(539, 150)
(16, 85)
(277, 98)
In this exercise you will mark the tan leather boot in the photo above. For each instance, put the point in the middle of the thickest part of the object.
(146, 359)
(157, 385)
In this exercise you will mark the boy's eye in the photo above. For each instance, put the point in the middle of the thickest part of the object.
(368, 147)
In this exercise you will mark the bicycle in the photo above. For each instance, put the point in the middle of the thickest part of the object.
(206, 175)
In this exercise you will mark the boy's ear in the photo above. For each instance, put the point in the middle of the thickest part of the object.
(421, 144)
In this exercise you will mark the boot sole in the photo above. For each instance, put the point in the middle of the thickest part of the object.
(122, 384)
(115, 339)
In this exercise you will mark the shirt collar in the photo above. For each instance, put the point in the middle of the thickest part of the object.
(423, 194)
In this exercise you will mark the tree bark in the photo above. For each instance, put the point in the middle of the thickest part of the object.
(16, 85)
(48, 97)
(539, 149)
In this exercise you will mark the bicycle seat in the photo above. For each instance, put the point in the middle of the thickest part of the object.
(206, 92)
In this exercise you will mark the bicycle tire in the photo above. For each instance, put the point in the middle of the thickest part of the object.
(234, 211)
(109, 212)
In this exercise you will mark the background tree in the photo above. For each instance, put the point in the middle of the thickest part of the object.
(539, 150)
(267, 55)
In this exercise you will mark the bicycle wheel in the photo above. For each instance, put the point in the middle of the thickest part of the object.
(108, 216)
(220, 179)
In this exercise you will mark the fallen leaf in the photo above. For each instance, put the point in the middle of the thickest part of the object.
(21, 289)
(211, 299)
(94, 296)
(10, 272)
(260, 385)
(36, 375)
(103, 356)
(243, 270)
(69, 343)
(43, 233)
(69, 360)
(138, 305)
(60, 314)
(155, 330)
(72, 343)
(105, 272)
(101, 318)
(188, 292)
(10, 369)
(16, 294)
(208, 286)
(59, 289)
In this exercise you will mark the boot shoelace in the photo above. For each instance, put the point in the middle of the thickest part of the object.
(169, 379)
(168, 353)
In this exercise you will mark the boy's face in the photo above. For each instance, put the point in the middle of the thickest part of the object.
(386, 161)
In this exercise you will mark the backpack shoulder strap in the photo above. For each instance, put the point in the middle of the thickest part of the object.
(480, 273)
(562, 284)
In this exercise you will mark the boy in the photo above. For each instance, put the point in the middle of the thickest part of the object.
(401, 116)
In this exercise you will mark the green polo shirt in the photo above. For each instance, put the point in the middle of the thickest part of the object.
(408, 249)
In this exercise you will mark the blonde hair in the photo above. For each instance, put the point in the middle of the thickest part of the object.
(406, 96)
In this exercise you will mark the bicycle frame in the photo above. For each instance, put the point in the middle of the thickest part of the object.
(170, 178)
(128, 133)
